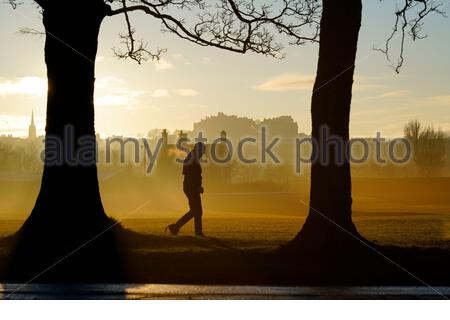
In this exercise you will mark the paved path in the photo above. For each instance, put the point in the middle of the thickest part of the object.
(154, 291)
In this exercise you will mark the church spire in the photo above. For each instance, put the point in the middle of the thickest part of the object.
(32, 128)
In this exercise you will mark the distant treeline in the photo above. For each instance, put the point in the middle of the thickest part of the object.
(430, 157)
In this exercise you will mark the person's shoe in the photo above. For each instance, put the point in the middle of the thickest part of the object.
(172, 229)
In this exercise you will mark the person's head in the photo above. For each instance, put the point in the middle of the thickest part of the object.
(199, 149)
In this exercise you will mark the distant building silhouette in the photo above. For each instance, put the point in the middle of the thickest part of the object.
(223, 135)
(165, 137)
(182, 135)
(284, 127)
(32, 128)
(236, 127)
(240, 127)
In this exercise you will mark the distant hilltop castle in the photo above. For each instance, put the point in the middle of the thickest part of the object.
(32, 128)
(238, 127)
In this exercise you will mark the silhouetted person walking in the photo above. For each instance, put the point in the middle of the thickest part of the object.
(192, 187)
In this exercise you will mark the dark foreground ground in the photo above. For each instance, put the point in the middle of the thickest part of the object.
(409, 233)
(211, 261)
(405, 250)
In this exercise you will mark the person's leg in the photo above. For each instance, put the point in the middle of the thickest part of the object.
(189, 215)
(184, 219)
(196, 205)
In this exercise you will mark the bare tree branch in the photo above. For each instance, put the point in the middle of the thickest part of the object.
(13, 3)
(247, 25)
(409, 18)
(234, 25)
(136, 51)
(31, 31)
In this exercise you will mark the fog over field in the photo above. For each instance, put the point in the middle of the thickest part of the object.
(402, 211)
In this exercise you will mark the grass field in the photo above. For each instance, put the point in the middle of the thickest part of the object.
(405, 212)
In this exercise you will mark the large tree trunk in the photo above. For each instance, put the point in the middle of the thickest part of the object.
(68, 211)
(69, 183)
(330, 198)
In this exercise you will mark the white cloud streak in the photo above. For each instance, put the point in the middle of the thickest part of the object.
(31, 86)
(287, 82)
(186, 92)
(160, 93)
(163, 65)
(441, 99)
